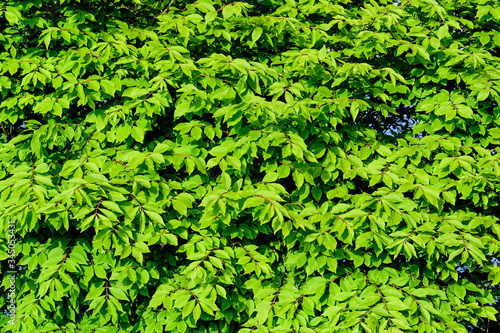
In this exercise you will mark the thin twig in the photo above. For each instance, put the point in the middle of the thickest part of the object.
(4, 131)
(163, 11)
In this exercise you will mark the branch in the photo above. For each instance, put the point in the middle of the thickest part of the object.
(165, 10)
(192, 294)
(277, 292)
(367, 313)
(350, 299)
(98, 204)
(385, 304)
(463, 240)
(32, 173)
(4, 131)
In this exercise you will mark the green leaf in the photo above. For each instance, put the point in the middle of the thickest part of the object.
(134, 92)
(111, 205)
(118, 293)
(108, 87)
(298, 178)
(495, 132)
(196, 312)
(137, 133)
(256, 33)
(464, 111)
(12, 15)
(155, 217)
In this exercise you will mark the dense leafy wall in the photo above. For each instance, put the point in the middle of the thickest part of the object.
(206, 166)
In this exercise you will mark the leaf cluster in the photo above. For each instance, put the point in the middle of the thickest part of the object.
(261, 166)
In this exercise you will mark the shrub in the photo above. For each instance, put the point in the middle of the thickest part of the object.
(307, 166)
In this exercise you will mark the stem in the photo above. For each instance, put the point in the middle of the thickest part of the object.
(98, 204)
(32, 173)
(367, 312)
(357, 291)
(137, 203)
(4, 131)
(385, 304)
(463, 240)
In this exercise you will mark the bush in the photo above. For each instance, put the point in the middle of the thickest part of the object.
(308, 166)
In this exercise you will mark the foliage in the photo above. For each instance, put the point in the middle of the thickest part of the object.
(263, 166)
